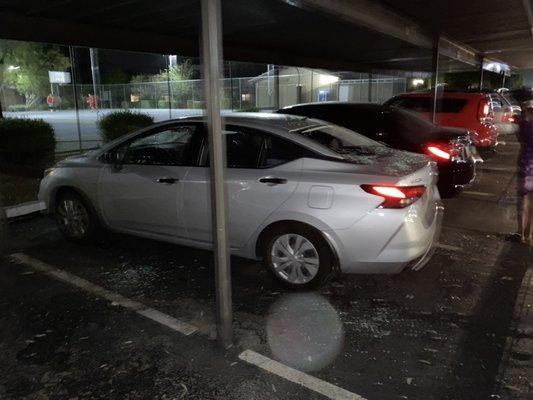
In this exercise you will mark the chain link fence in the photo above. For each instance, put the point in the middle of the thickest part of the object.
(75, 117)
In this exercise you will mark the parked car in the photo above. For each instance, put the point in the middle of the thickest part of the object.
(507, 112)
(511, 101)
(307, 197)
(468, 110)
(451, 148)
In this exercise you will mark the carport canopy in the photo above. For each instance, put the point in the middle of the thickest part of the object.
(357, 35)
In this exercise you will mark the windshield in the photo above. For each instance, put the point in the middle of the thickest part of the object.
(341, 141)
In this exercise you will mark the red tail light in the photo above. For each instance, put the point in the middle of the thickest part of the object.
(484, 110)
(438, 152)
(444, 150)
(396, 196)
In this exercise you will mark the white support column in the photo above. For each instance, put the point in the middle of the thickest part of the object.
(212, 56)
(436, 54)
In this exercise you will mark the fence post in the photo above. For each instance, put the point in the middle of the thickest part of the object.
(74, 79)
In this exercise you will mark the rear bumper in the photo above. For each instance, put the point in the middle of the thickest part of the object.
(457, 173)
(486, 136)
(421, 262)
(387, 241)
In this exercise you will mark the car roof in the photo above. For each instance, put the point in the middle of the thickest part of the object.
(260, 120)
(326, 104)
(446, 94)
(279, 124)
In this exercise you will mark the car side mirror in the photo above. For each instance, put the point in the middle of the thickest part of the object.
(114, 158)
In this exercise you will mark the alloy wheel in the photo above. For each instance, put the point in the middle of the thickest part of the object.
(73, 218)
(294, 258)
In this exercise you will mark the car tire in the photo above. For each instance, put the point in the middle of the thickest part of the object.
(75, 218)
(298, 256)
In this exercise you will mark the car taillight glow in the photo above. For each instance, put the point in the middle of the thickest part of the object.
(440, 153)
(484, 110)
(396, 196)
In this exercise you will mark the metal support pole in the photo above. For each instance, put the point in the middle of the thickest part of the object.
(169, 88)
(436, 48)
(4, 234)
(95, 72)
(481, 77)
(212, 56)
(230, 85)
(370, 77)
(503, 79)
(312, 98)
(74, 79)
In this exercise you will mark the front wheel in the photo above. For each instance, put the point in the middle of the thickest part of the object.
(298, 257)
(74, 218)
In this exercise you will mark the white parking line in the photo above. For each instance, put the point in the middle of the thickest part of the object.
(472, 193)
(497, 169)
(301, 378)
(448, 247)
(139, 308)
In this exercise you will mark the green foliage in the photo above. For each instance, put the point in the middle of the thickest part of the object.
(250, 109)
(180, 90)
(147, 104)
(120, 123)
(116, 75)
(195, 104)
(26, 142)
(163, 104)
(17, 107)
(33, 61)
(515, 81)
(470, 80)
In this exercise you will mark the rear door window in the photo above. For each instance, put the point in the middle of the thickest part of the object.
(252, 149)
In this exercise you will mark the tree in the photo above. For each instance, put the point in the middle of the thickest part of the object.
(116, 75)
(177, 74)
(26, 66)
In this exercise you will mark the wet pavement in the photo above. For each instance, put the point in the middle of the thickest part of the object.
(458, 329)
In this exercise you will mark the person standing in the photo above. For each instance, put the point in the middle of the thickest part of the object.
(526, 171)
(50, 100)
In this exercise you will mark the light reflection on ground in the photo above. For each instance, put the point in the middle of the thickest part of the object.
(304, 331)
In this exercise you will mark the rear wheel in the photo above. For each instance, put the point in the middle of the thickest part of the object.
(298, 256)
(74, 218)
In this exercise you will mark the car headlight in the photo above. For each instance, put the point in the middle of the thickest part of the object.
(49, 171)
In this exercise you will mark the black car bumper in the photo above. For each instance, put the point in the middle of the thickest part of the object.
(456, 174)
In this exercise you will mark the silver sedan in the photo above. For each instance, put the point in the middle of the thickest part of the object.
(307, 197)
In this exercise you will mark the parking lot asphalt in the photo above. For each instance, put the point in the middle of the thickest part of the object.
(453, 330)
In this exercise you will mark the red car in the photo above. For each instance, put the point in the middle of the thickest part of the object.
(471, 111)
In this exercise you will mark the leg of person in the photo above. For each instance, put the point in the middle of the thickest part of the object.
(524, 229)
(529, 226)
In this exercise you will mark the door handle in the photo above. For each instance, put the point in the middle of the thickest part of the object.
(273, 180)
(168, 181)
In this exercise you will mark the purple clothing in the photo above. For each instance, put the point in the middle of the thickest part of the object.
(526, 158)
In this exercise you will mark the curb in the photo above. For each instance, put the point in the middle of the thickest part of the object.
(23, 209)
